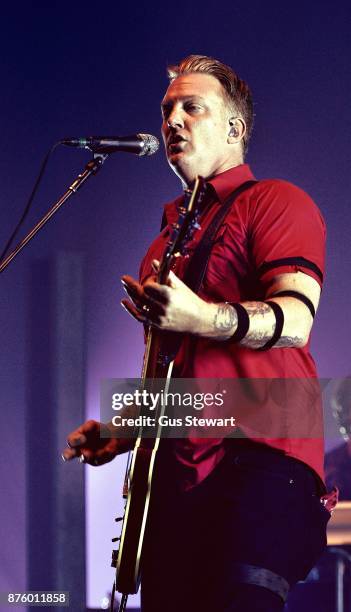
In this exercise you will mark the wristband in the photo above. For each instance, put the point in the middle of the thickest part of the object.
(298, 296)
(243, 322)
(279, 324)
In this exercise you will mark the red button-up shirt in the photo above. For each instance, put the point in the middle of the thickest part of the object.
(272, 228)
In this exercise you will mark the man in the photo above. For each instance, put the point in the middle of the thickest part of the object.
(233, 523)
(338, 460)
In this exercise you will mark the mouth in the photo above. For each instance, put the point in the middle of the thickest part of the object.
(175, 143)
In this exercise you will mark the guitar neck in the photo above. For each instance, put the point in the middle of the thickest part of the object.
(156, 361)
(161, 347)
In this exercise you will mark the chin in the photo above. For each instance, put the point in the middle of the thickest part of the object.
(183, 168)
(184, 174)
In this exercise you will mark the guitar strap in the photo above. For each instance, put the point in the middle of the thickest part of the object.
(197, 267)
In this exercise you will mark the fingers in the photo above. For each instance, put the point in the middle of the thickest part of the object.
(91, 458)
(155, 265)
(95, 458)
(144, 307)
(75, 441)
(79, 438)
(147, 302)
(68, 454)
(150, 290)
(100, 457)
(133, 288)
(71, 453)
(133, 295)
(133, 311)
(87, 456)
(156, 294)
(173, 280)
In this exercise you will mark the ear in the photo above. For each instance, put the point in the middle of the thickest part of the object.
(237, 130)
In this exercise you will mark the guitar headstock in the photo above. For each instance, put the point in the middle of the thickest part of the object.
(185, 226)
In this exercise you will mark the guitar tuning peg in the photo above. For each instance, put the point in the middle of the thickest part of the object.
(115, 539)
(119, 518)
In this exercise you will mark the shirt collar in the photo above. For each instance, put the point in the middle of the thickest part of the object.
(221, 186)
(225, 183)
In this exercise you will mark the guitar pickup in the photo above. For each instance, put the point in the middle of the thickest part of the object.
(114, 558)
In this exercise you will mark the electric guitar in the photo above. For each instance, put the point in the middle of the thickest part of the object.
(158, 362)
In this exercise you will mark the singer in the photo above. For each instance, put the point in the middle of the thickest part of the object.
(233, 523)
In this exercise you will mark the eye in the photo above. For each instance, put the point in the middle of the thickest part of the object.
(192, 107)
(165, 110)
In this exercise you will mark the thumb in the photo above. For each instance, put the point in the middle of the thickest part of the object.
(155, 265)
(174, 281)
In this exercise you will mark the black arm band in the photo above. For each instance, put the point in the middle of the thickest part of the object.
(279, 324)
(298, 296)
(243, 323)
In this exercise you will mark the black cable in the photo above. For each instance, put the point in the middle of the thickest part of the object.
(29, 203)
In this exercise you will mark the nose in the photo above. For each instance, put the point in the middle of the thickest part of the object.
(175, 120)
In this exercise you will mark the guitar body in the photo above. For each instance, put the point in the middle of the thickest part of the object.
(128, 568)
(157, 368)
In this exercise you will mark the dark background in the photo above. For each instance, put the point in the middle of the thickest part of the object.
(89, 68)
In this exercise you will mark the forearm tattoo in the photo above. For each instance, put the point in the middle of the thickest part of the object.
(258, 338)
(289, 341)
(257, 308)
(225, 318)
(261, 315)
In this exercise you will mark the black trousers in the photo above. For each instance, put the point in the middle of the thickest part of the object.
(258, 508)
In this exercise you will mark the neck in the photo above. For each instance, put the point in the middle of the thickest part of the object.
(188, 182)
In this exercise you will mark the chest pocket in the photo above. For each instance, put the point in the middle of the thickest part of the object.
(228, 275)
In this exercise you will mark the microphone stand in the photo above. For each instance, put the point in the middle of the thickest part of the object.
(91, 168)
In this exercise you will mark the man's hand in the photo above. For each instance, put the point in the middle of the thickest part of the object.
(171, 307)
(86, 444)
(174, 307)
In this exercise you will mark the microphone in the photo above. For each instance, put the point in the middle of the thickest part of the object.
(140, 144)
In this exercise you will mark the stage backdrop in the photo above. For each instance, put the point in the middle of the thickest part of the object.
(79, 69)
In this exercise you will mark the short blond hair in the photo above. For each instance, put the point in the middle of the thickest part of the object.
(237, 93)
